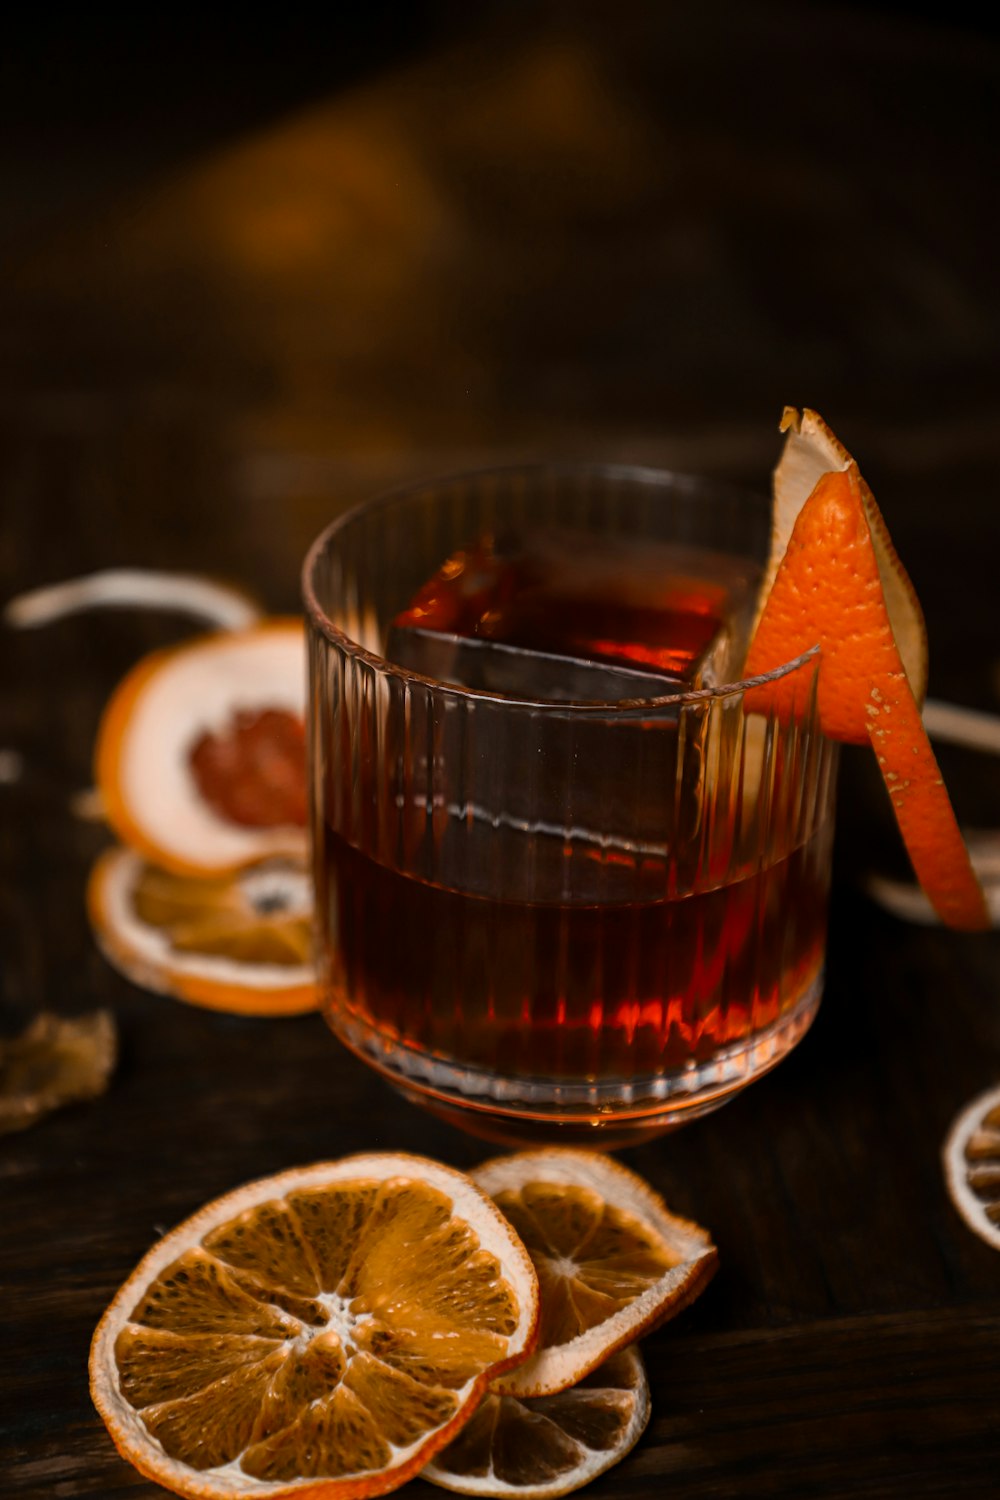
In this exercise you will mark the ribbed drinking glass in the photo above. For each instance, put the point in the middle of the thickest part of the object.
(549, 920)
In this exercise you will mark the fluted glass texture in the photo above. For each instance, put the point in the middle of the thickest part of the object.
(536, 915)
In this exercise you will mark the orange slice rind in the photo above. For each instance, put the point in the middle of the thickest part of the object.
(200, 758)
(971, 1159)
(612, 1261)
(828, 590)
(206, 599)
(536, 1448)
(811, 450)
(240, 943)
(320, 1333)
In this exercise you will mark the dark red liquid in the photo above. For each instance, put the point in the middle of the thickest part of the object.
(578, 990)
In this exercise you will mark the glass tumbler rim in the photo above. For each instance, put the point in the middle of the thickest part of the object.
(642, 473)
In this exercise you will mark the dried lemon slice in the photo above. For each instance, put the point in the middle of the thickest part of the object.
(200, 758)
(240, 943)
(972, 1165)
(321, 1332)
(543, 1446)
(612, 1260)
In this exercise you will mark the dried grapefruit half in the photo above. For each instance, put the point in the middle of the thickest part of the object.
(613, 1262)
(200, 758)
(319, 1333)
(542, 1446)
(238, 942)
(811, 450)
(972, 1165)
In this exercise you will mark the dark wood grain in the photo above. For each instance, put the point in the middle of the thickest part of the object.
(626, 232)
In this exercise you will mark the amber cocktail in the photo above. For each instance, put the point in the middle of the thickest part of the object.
(567, 887)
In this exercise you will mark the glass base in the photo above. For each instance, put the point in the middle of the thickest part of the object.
(603, 1116)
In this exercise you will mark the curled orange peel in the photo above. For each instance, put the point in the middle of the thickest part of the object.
(827, 590)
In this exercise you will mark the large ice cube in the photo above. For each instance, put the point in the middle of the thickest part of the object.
(571, 616)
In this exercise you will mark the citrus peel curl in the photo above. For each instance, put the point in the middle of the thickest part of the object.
(828, 590)
(811, 450)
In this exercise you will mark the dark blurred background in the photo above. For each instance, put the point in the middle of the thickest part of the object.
(90, 101)
(255, 268)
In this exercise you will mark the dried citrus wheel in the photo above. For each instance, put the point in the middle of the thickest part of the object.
(828, 589)
(238, 942)
(322, 1332)
(972, 1166)
(812, 450)
(541, 1446)
(612, 1261)
(200, 758)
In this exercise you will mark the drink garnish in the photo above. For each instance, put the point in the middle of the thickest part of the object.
(811, 449)
(828, 589)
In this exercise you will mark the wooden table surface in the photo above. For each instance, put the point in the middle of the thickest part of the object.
(629, 232)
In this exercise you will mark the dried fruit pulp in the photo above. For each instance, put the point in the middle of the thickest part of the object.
(592, 1258)
(549, 1445)
(612, 1261)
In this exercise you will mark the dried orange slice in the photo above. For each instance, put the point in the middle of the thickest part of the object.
(828, 589)
(200, 758)
(612, 1260)
(323, 1332)
(812, 450)
(239, 943)
(972, 1165)
(543, 1446)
